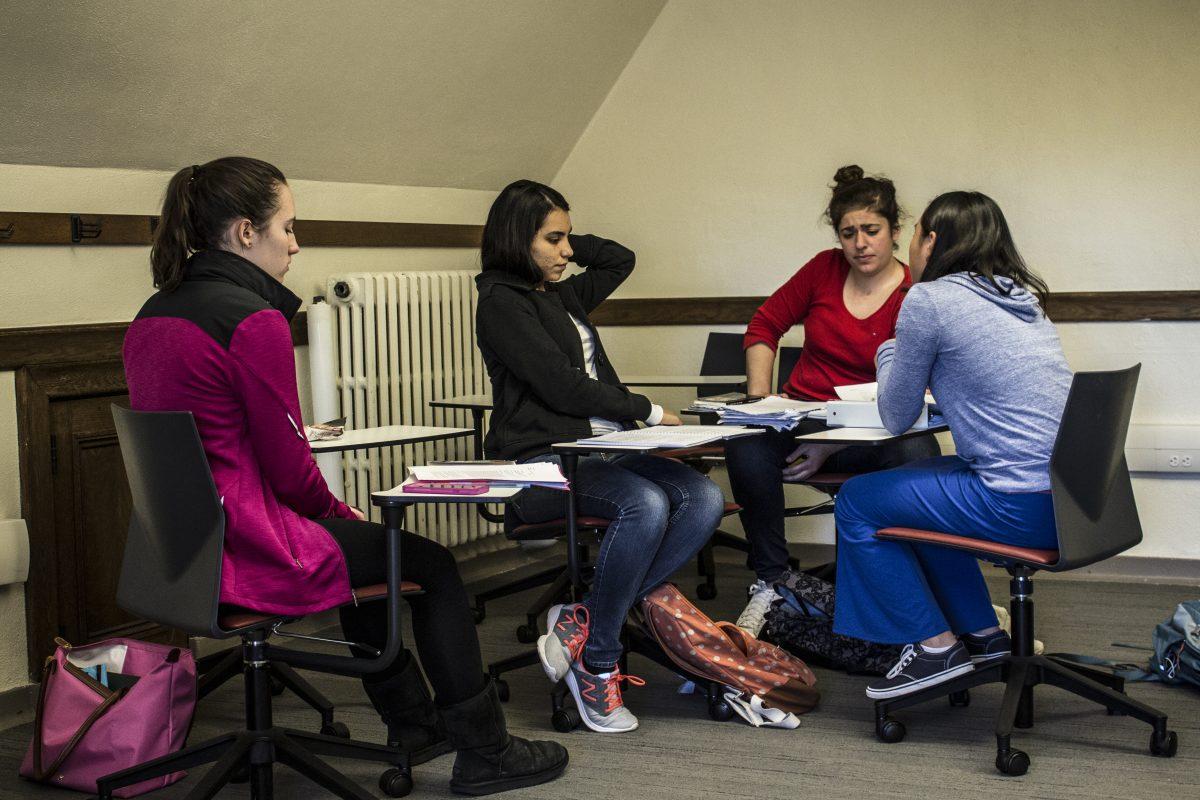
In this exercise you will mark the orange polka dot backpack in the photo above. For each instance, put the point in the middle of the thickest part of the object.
(720, 652)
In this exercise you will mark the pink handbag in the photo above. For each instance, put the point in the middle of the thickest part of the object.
(84, 730)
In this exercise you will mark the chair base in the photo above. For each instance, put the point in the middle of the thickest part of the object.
(1020, 674)
(257, 751)
(221, 668)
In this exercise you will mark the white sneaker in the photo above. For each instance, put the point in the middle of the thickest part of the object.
(754, 615)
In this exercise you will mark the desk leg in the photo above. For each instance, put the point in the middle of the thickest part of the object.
(569, 462)
(477, 421)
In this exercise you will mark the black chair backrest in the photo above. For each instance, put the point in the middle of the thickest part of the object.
(786, 358)
(171, 570)
(1094, 507)
(722, 356)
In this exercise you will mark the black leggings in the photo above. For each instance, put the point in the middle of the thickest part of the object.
(443, 625)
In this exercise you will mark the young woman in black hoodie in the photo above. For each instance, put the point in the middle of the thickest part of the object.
(553, 382)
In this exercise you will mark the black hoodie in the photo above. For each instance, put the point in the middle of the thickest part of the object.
(541, 392)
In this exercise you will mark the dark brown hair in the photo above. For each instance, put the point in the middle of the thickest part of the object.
(853, 190)
(973, 237)
(200, 203)
(512, 223)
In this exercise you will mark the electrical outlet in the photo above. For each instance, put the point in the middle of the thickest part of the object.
(1178, 460)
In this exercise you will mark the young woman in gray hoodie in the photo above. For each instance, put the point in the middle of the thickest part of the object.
(973, 331)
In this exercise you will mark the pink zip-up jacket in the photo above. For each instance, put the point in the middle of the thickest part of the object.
(220, 347)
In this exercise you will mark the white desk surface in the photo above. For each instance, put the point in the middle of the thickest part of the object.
(865, 436)
(682, 380)
(483, 401)
(583, 449)
(397, 496)
(388, 436)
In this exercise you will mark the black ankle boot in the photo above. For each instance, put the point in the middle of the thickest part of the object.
(412, 721)
(489, 759)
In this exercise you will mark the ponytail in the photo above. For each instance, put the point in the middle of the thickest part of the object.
(170, 249)
(200, 203)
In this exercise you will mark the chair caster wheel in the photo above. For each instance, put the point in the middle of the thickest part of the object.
(277, 686)
(396, 783)
(960, 699)
(526, 634)
(1012, 762)
(565, 720)
(337, 729)
(1164, 746)
(890, 730)
(478, 614)
(720, 710)
(502, 689)
(706, 592)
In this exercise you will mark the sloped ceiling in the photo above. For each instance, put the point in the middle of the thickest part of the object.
(448, 93)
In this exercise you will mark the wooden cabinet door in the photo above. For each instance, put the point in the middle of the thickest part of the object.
(78, 508)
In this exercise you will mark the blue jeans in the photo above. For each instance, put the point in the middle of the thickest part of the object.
(662, 513)
(756, 465)
(901, 593)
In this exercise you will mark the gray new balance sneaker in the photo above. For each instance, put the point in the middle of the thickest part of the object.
(918, 669)
(754, 615)
(566, 634)
(599, 698)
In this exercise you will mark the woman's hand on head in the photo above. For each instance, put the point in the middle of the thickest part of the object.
(807, 459)
(670, 419)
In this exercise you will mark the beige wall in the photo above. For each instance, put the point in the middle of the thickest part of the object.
(712, 153)
(53, 285)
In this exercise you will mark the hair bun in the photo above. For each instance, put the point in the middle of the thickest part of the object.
(850, 173)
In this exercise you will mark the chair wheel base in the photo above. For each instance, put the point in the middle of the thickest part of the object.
(1164, 746)
(277, 686)
(706, 592)
(1012, 762)
(565, 719)
(890, 730)
(526, 634)
(396, 783)
(720, 710)
(337, 729)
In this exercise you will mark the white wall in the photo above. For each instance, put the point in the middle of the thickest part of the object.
(58, 285)
(712, 155)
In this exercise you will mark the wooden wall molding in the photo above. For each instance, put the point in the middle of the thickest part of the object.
(65, 344)
(19, 227)
(1162, 306)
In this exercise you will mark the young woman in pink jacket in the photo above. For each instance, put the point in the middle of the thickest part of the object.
(215, 341)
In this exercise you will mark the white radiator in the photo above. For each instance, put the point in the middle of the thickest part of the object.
(404, 339)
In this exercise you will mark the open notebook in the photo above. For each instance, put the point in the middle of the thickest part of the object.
(668, 436)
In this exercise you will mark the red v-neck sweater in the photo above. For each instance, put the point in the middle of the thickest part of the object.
(839, 348)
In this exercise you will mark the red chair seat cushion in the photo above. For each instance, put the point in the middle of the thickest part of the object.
(233, 618)
(699, 451)
(980, 547)
(825, 480)
(730, 508)
(553, 528)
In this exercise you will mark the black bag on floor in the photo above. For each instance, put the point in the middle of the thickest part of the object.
(802, 624)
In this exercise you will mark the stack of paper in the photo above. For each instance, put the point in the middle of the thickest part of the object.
(666, 436)
(779, 413)
(497, 475)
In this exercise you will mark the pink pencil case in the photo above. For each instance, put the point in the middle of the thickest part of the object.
(446, 487)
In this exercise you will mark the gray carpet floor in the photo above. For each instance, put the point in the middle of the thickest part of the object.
(1077, 750)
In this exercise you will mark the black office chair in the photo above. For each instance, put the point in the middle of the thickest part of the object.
(171, 574)
(1097, 518)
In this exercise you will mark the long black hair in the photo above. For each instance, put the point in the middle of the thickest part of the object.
(973, 237)
(200, 203)
(513, 222)
(852, 190)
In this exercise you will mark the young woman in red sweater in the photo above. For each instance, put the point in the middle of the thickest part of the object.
(847, 298)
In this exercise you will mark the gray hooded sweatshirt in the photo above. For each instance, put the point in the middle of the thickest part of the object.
(996, 368)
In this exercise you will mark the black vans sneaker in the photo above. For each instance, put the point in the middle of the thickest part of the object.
(918, 668)
(989, 647)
